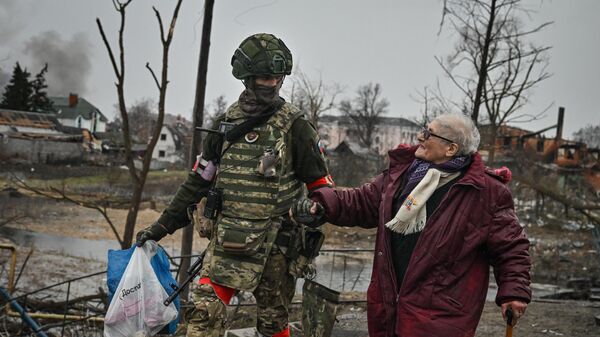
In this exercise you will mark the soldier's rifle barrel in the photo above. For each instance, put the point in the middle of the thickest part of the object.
(192, 272)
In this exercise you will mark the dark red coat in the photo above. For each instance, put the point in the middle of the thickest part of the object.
(446, 282)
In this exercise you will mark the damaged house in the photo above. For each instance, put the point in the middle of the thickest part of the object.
(557, 151)
(37, 138)
(556, 154)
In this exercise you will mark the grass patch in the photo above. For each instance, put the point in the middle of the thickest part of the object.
(117, 178)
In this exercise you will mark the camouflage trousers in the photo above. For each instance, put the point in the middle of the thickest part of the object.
(273, 297)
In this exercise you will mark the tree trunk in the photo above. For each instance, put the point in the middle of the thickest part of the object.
(484, 63)
(492, 148)
(132, 216)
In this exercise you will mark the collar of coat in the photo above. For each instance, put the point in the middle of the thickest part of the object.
(402, 156)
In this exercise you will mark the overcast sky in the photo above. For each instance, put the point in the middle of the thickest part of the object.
(350, 42)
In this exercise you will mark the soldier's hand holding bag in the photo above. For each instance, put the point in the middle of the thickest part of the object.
(137, 307)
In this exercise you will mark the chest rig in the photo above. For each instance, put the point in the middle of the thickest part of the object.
(252, 202)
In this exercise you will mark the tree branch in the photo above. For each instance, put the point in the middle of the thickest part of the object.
(108, 48)
(160, 25)
(153, 75)
(59, 195)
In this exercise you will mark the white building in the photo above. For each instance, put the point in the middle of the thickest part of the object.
(168, 149)
(77, 112)
(389, 133)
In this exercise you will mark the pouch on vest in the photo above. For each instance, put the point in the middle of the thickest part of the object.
(241, 236)
(203, 225)
(319, 309)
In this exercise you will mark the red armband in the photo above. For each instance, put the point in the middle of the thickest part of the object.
(283, 333)
(325, 181)
(223, 293)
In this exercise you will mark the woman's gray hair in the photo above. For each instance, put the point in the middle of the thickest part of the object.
(461, 129)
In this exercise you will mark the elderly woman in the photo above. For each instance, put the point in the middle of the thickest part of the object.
(442, 220)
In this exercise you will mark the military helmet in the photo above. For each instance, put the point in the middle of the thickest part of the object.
(261, 54)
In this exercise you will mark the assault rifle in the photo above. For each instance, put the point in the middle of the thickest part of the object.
(192, 271)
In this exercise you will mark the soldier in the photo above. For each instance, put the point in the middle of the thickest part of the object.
(250, 174)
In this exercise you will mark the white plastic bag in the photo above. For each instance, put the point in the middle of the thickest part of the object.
(137, 308)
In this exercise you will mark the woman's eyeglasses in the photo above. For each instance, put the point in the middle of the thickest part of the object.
(426, 134)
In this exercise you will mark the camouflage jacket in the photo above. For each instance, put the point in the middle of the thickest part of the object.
(307, 160)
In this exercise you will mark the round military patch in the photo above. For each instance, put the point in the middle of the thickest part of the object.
(251, 136)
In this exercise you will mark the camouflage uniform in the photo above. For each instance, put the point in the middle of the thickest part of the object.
(244, 252)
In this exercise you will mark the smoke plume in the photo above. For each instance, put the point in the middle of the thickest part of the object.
(69, 65)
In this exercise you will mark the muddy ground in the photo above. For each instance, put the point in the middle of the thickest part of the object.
(562, 249)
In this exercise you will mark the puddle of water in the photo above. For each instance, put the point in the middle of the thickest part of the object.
(356, 276)
(331, 272)
(90, 249)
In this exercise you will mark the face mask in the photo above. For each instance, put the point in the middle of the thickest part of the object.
(258, 98)
(266, 95)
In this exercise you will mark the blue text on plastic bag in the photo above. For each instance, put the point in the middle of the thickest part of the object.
(117, 262)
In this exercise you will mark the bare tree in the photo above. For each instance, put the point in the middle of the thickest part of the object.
(142, 115)
(433, 104)
(313, 97)
(217, 108)
(590, 135)
(493, 65)
(60, 194)
(364, 112)
(571, 198)
(138, 177)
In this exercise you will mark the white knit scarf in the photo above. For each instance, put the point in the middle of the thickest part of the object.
(412, 215)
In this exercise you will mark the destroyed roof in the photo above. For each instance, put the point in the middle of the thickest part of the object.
(36, 120)
(82, 108)
(352, 147)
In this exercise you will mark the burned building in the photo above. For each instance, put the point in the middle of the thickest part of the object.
(510, 141)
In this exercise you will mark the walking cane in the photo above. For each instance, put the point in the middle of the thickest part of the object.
(509, 326)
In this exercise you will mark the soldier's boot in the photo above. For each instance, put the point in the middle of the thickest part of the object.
(207, 318)
(272, 322)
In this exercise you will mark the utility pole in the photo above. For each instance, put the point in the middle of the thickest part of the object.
(198, 116)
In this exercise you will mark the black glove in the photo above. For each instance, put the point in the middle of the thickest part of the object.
(154, 232)
(301, 212)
